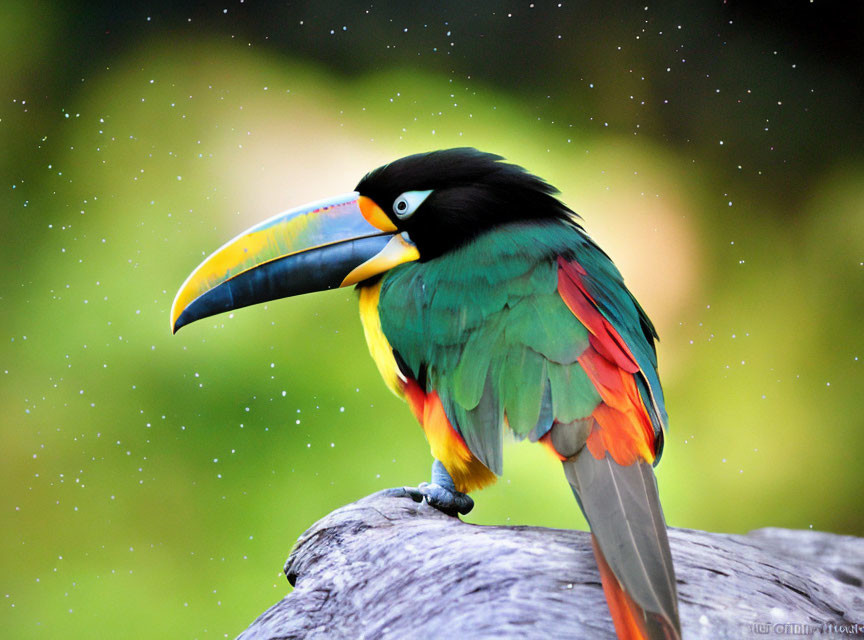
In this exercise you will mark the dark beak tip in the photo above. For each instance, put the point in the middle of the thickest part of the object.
(181, 322)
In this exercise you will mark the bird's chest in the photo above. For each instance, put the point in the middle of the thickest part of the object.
(424, 323)
(417, 320)
(459, 308)
(428, 318)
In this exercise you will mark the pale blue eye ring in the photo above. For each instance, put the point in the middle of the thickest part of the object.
(405, 205)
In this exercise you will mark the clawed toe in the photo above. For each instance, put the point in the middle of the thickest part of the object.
(445, 500)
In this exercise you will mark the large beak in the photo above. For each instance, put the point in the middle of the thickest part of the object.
(323, 245)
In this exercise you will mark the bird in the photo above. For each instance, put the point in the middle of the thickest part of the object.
(490, 310)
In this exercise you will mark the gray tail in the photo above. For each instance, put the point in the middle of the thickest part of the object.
(630, 543)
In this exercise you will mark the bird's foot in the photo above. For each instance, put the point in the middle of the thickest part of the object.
(446, 500)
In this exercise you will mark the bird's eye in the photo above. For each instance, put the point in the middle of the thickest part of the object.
(405, 205)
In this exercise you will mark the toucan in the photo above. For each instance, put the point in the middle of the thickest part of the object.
(488, 308)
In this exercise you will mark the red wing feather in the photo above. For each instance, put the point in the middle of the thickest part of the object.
(623, 426)
(604, 338)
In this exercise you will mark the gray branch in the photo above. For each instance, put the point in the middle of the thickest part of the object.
(387, 567)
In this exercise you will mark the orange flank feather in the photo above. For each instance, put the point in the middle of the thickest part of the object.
(622, 427)
(626, 614)
(447, 445)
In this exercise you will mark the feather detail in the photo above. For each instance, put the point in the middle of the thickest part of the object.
(623, 509)
(625, 613)
(513, 336)
(489, 329)
(379, 348)
(623, 426)
(604, 338)
(447, 445)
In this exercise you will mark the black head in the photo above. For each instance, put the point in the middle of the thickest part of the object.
(444, 199)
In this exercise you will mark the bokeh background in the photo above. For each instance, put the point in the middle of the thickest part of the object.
(153, 485)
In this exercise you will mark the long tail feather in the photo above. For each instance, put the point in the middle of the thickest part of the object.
(626, 614)
(630, 543)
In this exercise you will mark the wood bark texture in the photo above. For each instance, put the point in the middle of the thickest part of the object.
(388, 567)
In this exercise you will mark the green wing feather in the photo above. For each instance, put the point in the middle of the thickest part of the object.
(485, 327)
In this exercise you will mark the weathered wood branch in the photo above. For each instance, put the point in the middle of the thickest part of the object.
(387, 567)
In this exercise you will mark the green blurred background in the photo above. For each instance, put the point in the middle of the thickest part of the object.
(153, 485)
